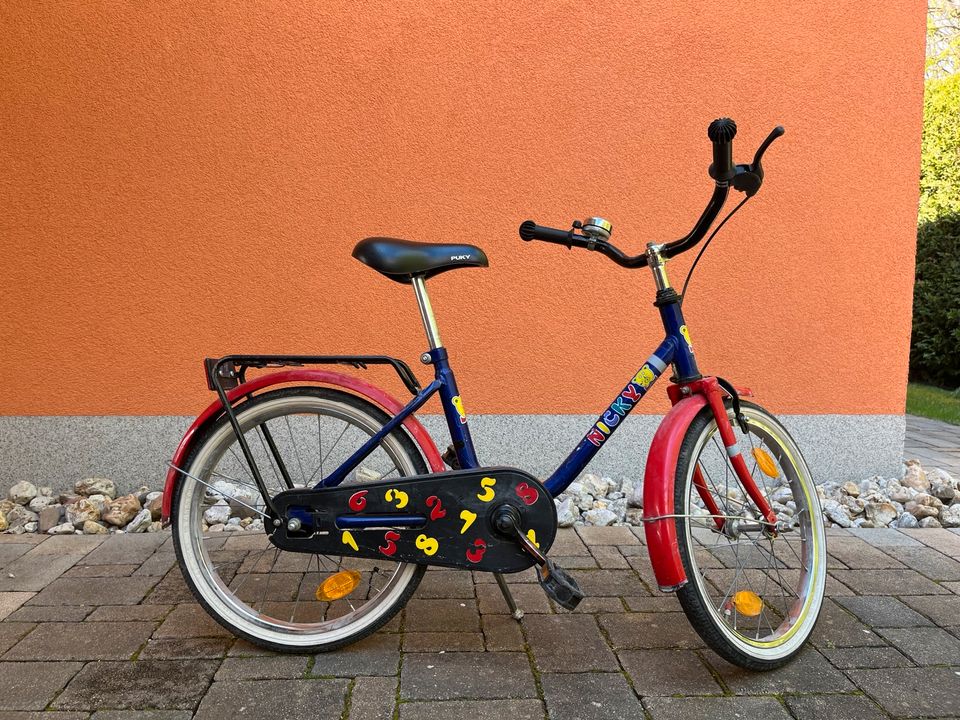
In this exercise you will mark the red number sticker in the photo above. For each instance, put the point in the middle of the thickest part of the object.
(475, 555)
(391, 537)
(358, 501)
(437, 512)
(528, 494)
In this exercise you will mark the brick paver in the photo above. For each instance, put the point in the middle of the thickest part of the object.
(590, 696)
(378, 654)
(933, 443)
(105, 628)
(160, 684)
(454, 676)
(913, 692)
(473, 710)
(228, 700)
(716, 708)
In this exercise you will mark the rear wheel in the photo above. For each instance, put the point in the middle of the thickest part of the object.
(752, 595)
(266, 595)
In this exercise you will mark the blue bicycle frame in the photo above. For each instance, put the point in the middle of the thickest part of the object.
(676, 349)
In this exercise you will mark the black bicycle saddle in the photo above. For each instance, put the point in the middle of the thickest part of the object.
(402, 260)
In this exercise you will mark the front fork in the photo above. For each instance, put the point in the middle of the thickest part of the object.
(710, 388)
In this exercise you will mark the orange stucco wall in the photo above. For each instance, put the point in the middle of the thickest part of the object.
(188, 179)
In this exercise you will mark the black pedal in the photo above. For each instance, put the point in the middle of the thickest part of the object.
(559, 586)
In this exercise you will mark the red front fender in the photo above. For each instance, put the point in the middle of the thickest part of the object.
(355, 385)
(658, 483)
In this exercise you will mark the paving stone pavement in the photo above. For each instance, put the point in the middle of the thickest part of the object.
(934, 443)
(104, 628)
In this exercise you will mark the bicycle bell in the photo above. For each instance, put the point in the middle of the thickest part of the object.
(596, 228)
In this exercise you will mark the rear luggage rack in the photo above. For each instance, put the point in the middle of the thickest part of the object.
(230, 370)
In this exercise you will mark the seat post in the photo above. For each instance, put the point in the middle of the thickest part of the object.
(426, 311)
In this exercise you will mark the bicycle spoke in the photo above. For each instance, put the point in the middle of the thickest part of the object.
(296, 597)
(335, 443)
(781, 583)
(249, 572)
(236, 500)
(722, 495)
(324, 457)
(293, 442)
(270, 458)
(235, 481)
(794, 551)
(266, 587)
(243, 466)
(762, 595)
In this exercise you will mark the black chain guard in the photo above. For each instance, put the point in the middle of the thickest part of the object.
(439, 519)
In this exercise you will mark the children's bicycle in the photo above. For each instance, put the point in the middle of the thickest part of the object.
(356, 500)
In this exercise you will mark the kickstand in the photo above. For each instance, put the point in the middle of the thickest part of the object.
(515, 612)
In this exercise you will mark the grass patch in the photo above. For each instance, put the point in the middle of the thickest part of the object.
(934, 403)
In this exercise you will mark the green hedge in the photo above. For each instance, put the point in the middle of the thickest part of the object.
(940, 149)
(935, 350)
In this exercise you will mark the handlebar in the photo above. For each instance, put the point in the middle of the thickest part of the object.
(746, 178)
(529, 230)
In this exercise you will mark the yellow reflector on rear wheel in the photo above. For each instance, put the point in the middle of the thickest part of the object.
(748, 603)
(765, 462)
(338, 585)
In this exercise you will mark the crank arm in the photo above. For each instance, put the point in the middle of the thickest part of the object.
(506, 519)
(554, 580)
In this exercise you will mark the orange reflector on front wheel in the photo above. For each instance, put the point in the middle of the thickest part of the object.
(765, 462)
(338, 585)
(748, 603)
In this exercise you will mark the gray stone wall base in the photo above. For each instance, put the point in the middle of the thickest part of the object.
(134, 450)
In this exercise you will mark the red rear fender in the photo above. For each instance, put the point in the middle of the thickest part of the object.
(325, 377)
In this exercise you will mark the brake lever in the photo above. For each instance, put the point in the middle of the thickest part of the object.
(774, 134)
(749, 178)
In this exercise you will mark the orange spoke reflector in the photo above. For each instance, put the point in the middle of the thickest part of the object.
(338, 585)
(765, 462)
(748, 603)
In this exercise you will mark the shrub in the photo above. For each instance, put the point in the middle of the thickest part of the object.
(935, 350)
(940, 150)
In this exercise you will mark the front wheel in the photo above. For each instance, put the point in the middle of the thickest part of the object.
(752, 595)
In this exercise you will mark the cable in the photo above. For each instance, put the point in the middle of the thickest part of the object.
(683, 293)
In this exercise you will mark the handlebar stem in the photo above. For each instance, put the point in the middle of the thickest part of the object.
(657, 264)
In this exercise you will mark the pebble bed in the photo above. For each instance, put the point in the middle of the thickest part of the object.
(919, 499)
(94, 508)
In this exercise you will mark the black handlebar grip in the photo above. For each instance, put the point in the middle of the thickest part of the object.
(721, 133)
(528, 230)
